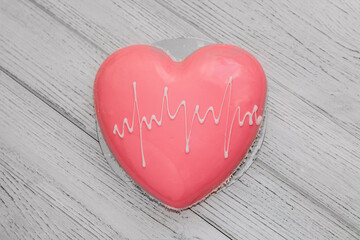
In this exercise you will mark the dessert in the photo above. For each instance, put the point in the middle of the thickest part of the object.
(180, 127)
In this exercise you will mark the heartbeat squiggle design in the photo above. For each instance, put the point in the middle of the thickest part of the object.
(142, 120)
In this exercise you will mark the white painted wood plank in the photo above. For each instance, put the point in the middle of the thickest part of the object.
(55, 175)
(111, 25)
(47, 56)
(314, 155)
(281, 151)
(307, 163)
(56, 184)
(329, 197)
(261, 206)
(311, 47)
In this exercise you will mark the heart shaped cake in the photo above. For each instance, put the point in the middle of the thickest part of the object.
(180, 128)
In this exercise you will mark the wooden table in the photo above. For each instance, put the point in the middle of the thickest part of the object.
(55, 182)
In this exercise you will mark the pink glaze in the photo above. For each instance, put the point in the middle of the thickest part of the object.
(180, 157)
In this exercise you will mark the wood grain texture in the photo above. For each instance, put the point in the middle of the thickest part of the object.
(327, 182)
(55, 182)
(61, 172)
(62, 62)
(311, 47)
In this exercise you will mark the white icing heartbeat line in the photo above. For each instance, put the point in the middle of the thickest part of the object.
(142, 120)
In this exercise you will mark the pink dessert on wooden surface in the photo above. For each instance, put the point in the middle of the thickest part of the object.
(180, 129)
